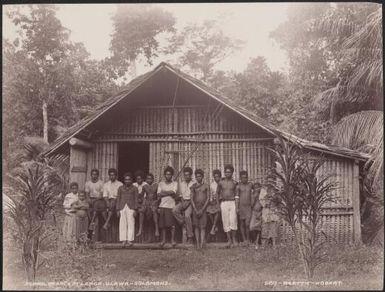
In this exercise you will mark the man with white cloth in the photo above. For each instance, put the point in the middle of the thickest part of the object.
(126, 206)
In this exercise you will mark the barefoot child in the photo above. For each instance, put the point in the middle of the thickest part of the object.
(229, 200)
(245, 193)
(82, 217)
(256, 215)
(126, 206)
(110, 192)
(69, 227)
(269, 216)
(213, 209)
(167, 192)
(151, 201)
(200, 195)
(140, 183)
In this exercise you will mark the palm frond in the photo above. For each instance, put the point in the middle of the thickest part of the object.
(360, 67)
(363, 131)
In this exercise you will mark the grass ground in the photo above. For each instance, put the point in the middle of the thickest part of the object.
(241, 268)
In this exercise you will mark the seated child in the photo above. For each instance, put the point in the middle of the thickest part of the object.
(199, 201)
(81, 213)
(245, 192)
(213, 209)
(140, 183)
(269, 216)
(151, 201)
(69, 226)
(256, 214)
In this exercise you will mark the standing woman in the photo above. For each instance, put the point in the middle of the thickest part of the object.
(167, 192)
(69, 227)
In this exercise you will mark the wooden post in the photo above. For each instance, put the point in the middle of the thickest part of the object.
(80, 143)
(356, 204)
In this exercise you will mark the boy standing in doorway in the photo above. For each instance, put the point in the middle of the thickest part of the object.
(184, 192)
(226, 193)
(140, 183)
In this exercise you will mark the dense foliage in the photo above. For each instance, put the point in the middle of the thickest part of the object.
(136, 29)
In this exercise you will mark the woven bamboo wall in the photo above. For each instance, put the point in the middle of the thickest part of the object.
(159, 123)
(338, 217)
(103, 157)
(250, 156)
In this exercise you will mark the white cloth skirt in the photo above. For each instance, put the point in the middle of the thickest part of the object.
(126, 224)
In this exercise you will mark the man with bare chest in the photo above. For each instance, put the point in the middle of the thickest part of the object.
(226, 193)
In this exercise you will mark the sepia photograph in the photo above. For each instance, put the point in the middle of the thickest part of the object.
(192, 146)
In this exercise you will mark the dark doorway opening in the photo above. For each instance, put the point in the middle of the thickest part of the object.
(133, 156)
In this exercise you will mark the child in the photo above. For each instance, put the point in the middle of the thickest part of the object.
(269, 216)
(82, 216)
(151, 201)
(110, 192)
(245, 193)
(126, 206)
(229, 200)
(213, 209)
(167, 192)
(184, 206)
(256, 215)
(69, 227)
(199, 201)
(140, 183)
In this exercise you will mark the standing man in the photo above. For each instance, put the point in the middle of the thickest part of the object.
(184, 193)
(98, 207)
(200, 195)
(110, 192)
(226, 193)
(245, 192)
(126, 206)
(167, 192)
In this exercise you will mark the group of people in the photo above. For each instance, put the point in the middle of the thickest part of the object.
(190, 203)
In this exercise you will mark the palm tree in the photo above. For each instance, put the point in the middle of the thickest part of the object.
(355, 104)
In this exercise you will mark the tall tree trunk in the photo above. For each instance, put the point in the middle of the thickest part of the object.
(45, 121)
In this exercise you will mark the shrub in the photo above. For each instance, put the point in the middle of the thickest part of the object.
(302, 193)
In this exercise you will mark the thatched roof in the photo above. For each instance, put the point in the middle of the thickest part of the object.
(105, 106)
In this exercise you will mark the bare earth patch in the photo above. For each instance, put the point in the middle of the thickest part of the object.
(241, 268)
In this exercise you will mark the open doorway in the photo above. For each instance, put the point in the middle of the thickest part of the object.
(133, 156)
